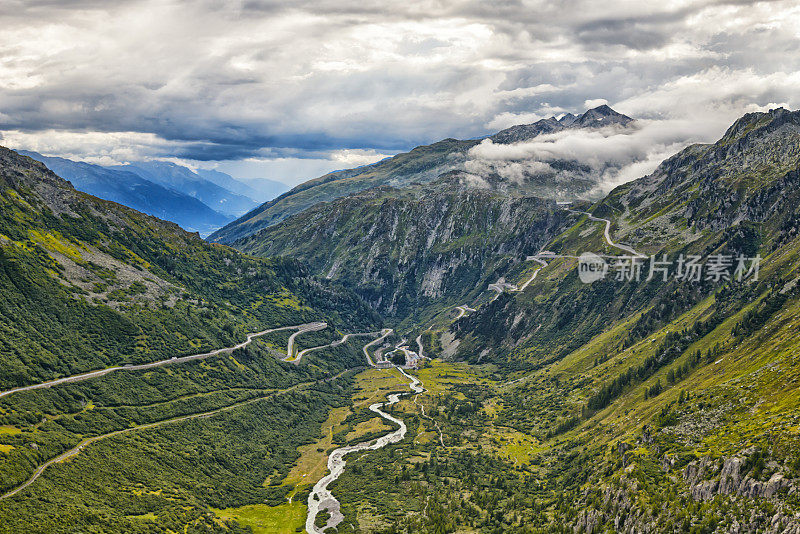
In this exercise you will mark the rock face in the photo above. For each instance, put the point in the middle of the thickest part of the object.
(598, 117)
(706, 480)
(751, 174)
(400, 252)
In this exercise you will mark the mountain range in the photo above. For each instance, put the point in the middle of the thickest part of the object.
(560, 179)
(200, 201)
(685, 387)
(659, 394)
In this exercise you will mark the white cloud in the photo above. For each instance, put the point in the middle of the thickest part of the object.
(615, 155)
(357, 158)
(593, 103)
(94, 147)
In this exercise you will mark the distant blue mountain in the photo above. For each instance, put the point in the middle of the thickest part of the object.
(260, 189)
(190, 183)
(130, 189)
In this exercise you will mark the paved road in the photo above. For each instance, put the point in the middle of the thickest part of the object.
(88, 441)
(462, 310)
(607, 234)
(151, 365)
(536, 272)
(309, 327)
(384, 334)
(336, 343)
(501, 286)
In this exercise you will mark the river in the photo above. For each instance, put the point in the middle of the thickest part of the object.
(321, 497)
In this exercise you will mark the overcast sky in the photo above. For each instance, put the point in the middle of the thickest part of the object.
(289, 90)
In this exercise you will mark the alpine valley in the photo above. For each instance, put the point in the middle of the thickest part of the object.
(415, 345)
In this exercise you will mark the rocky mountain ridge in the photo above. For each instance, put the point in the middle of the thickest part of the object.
(563, 179)
(599, 117)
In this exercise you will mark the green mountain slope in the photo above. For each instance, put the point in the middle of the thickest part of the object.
(423, 163)
(87, 284)
(664, 406)
(649, 404)
(627, 405)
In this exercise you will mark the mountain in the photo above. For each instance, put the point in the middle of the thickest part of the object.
(87, 284)
(627, 404)
(134, 191)
(259, 189)
(562, 179)
(663, 405)
(736, 195)
(599, 117)
(70, 255)
(627, 364)
(190, 183)
(411, 252)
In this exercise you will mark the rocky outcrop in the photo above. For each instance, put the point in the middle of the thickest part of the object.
(620, 509)
(708, 478)
(751, 174)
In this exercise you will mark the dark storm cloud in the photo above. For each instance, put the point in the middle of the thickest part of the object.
(218, 80)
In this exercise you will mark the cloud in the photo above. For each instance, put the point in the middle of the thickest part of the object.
(213, 81)
(512, 171)
(611, 155)
(594, 102)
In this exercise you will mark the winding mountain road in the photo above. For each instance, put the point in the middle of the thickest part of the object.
(384, 334)
(462, 310)
(501, 285)
(309, 327)
(338, 342)
(607, 233)
(320, 497)
(88, 441)
(535, 273)
(172, 361)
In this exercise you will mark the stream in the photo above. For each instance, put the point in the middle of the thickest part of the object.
(321, 497)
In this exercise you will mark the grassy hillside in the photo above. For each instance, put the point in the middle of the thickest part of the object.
(620, 406)
(424, 163)
(664, 406)
(624, 405)
(87, 284)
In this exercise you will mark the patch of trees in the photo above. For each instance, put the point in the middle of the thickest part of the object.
(673, 345)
